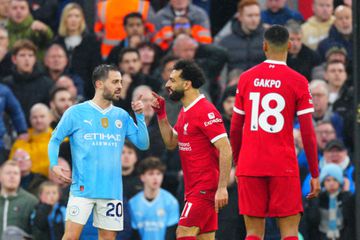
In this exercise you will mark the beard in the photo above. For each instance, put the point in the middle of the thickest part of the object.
(107, 95)
(177, 95)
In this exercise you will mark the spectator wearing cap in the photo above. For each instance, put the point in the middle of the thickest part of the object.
(165, 19)
(16, 205)
(331, 215)
(340, 33)
(300, 57)
(316, 28)
(21, 25)
(27, 81)
(335, 53)
(335, 153)
(277, 12)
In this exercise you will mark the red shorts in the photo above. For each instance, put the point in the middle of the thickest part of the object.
(269, 196)
(199, 212)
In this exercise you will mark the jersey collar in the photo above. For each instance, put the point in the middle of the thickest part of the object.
(103, 111)
(275, 62)
(194, 102)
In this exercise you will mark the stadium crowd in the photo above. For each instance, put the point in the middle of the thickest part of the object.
(49, 48)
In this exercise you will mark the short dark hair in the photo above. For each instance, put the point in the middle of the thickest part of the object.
(125, 51)
(48, 183)
(328, 63)
(132, 15)
(129, 145)
(23, 44)
(277, 36)
(191, 71)
(101, 72)
(151, 163)
(56, 90)
(167, 59)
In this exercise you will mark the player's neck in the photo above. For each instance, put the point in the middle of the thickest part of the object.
(190, 97)
(100, 101)
(151, 193)
(277, 56)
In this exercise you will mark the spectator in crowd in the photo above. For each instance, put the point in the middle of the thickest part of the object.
(28, 83)
(154, 211)
(322, 111)
(135, 30)
(340, 34)
(4, 12)
(22, 25)
(56, 62)
(64, 186)
(130, 66)
(30, 181)
(65, 81)
(45, 11)
(331, 215)
(110, 23)
(335, 75)
(227, 105)
(131, 181)
(149, 56)
(334, 54)
(157, 147)
(78, 42)
(39, 137)
(343, 2)
(60, 100)
(165, 22)
(5, 55)
(335, 153)
(277, 12)
(317, 27)
(244, 42)
(48, 218)
(11, 106)
(300, 57)
(210, 58)
(16, 205)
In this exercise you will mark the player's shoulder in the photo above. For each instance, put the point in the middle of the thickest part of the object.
(167, 196)
(136, 198)
(205, 105)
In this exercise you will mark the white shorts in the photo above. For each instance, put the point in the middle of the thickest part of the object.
(108, 213)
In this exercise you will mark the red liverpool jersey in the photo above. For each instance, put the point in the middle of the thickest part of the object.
(270, 95)
(199, 126)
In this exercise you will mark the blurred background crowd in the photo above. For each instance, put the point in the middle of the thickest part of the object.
(49, 48)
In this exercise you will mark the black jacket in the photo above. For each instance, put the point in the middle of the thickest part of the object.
(83, 59)
(29, 88)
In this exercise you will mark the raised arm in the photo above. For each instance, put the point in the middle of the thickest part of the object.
(168, 134)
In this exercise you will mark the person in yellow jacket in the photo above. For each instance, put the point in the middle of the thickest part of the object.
(109, 25)
(39, 137)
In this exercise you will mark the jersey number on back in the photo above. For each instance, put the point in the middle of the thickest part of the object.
(262, 119)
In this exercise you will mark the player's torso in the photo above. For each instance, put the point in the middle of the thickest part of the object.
(269, 97)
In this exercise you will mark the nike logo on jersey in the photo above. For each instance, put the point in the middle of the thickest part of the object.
(88, 122)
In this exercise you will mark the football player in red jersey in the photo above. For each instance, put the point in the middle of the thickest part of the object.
(268, 97)
(204, 149)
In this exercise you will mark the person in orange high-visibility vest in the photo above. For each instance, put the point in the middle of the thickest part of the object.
(109, 23)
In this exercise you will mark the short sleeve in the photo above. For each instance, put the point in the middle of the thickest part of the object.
(211, 123)
(65, 127)
(239, 101)
(304, 102)
(173, 211)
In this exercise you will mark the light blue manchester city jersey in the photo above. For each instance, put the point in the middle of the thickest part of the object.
(96, 139)
(151, 219)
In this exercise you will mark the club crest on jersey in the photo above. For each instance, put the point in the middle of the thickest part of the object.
(185, 128)
(104, 122)
(211, 115)
(118, 123)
